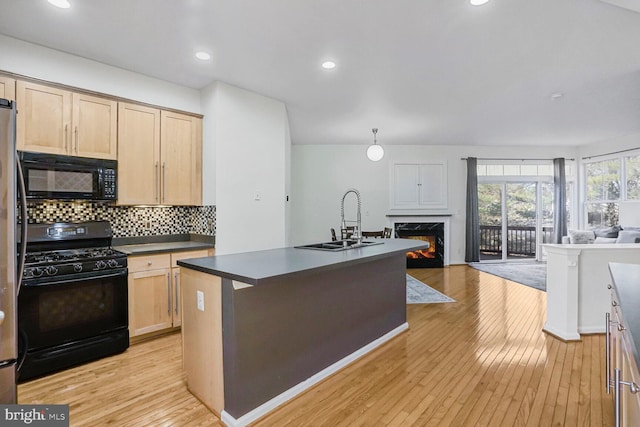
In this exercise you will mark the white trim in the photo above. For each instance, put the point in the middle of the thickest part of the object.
(592, 330)
(287, 395)
(567, 336)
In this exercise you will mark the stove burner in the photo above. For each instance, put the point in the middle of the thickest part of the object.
(70, 255)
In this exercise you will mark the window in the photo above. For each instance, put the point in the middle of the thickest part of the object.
(603, 192)
(609, 182)
(632, 171)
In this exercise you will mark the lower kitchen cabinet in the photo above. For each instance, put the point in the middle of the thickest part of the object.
(623, 378)
(155, 303)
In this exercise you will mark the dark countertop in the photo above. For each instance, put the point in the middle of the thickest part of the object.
(156, 248)
(256, 267)
(626, 283)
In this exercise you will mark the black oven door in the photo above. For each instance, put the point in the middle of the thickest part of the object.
(69, 311)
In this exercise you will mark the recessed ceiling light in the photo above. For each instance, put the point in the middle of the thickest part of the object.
(328, 65)
(63, 4)
(478, 2)
(204, 56)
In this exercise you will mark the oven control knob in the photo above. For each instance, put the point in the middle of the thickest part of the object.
(100, 265)
(37, 272)
(112, 263)
(77, 267)
(51, 270)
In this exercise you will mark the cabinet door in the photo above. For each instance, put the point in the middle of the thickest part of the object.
(138, 155)
(178, 157)
(44, 118)
(95, 122)
(7, 88)
(177, 300)
(630, 402)
(406, 178)
(432, 185)
(150, 301)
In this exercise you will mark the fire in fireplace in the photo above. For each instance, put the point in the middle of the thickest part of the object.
(432, 232)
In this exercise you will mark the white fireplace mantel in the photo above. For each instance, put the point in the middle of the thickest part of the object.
(393, 219)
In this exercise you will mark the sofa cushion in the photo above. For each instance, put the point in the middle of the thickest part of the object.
(581, 236)
(607, 232)
(605, 240)
(628, 236)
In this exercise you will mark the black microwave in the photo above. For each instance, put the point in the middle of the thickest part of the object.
(55, 177)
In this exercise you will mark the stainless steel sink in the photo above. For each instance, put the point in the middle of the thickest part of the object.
(338, 245)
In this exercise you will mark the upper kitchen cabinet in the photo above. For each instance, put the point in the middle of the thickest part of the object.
(57, 121)
(419, 186)
(138, 155)
(181, 159)
(7, 88)
(159, 156)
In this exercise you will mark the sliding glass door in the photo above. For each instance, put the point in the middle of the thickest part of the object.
(512, 215)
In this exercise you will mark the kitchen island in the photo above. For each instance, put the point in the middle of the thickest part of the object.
(261, 327)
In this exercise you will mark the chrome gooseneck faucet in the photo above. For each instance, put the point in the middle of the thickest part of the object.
(357, 234)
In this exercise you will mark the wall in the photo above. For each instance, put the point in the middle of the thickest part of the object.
(322, 173)
(251, 143)
(47, 64)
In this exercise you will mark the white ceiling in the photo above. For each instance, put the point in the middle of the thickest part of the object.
(422, 71)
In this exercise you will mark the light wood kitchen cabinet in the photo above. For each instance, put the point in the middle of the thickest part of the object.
(155, 302)
(7, 88)
(138, 154)
(180, 157)
(623, 378)
(150, 295)
(159, 157)
(58, 121)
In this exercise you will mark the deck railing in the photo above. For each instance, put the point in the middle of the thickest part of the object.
(521, 239)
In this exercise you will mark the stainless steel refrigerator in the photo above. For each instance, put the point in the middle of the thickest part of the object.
(10, 261)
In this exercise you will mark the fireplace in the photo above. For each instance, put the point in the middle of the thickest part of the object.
(432, 232)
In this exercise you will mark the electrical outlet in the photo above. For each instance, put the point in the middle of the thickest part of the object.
(200, 300)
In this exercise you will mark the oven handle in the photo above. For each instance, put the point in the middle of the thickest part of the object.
(25, 219)
(122, 272)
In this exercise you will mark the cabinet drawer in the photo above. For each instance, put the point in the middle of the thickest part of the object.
(176, 256)
(148, 262)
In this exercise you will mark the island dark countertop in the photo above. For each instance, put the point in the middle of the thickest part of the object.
(626, 284)
(257, 267)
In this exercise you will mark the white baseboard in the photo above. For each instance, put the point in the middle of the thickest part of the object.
(592, 330)
(287, 395)
(563, 335)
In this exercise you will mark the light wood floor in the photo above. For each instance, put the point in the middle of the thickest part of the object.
(482, 360)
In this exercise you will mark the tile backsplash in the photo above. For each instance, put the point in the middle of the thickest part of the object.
(130, 221)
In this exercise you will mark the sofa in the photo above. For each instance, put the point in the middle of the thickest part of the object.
(613, 234)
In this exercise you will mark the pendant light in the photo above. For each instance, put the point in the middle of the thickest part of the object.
(375, 152)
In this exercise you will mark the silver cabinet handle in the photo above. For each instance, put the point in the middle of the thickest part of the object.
(66, 138)
(157, 183)
(617, 383)
(169, 294)
(607, 351)
(176, 283)
(616, 395)
(164, 181)
(614, 303)
(1, 317)
(76, 134)
(609, 286)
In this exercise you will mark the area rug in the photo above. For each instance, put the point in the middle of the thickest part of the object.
(419, 293)
(532, 274)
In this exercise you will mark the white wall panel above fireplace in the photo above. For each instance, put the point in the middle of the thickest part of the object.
(418, 185)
